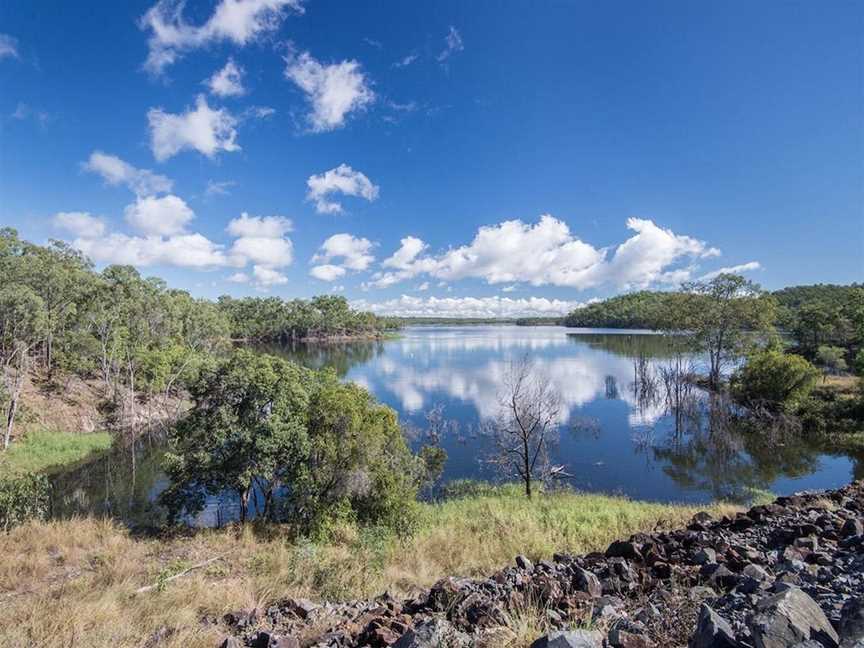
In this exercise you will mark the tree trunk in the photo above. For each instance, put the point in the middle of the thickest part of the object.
(10, 420)
(244, 505)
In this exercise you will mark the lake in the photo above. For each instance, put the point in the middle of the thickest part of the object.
(614, 437)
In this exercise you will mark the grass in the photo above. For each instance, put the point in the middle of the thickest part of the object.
(40, 450)
(65, 582)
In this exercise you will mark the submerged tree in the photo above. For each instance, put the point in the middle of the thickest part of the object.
(527, 423)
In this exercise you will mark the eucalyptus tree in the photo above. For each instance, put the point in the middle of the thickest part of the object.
(722, 315)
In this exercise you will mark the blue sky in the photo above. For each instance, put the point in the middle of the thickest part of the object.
(441, 157)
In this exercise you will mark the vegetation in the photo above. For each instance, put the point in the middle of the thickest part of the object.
(774, 380)
(23, 498)
(40, 450)
(638, 310)
(528, 418)
(146, 343)
(98, 565)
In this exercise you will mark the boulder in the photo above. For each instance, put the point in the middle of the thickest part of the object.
(712, 631)
(435, 633)
(570, 639)
(586, 581)
(788, 618)
(705, 556)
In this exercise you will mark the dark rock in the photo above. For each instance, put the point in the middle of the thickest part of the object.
(523, 563)
(705, 556)
(852, 527)
(231, 642)
(851, 627)
(790, 617)
(624, 549)
(586, 581)
(433, 634)
(712, 631)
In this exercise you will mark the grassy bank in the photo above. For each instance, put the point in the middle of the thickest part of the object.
(40, 450)
(66, 582)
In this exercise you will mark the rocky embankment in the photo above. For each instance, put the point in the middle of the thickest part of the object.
(782, 575)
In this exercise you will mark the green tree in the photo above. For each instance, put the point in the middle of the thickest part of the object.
(832, 358)
(774, 381)
(722, 314)
(246, 431)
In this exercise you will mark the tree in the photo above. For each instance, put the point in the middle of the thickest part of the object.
(23, 323)
(247, 431)
(774, 381)
(723, 313)
(527, 421)
(832, 358)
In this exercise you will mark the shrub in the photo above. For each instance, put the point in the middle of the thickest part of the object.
(774, 380)
(22, 498)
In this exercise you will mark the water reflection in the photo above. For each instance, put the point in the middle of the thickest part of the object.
(631, 423)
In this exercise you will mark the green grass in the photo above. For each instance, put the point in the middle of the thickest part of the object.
(40, 450)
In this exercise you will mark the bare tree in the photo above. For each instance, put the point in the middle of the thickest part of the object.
(527, 422)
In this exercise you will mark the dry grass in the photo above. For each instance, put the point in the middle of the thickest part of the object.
(73, 582)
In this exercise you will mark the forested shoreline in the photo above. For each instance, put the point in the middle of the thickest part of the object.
(143, 341)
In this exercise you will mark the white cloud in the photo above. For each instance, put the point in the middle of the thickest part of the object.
(265, 277)
(8, 47)
(406, 61)
(341, 180)
(750, 266)
(24, 111)
(227, 82)
(203, 129)
(268, 252)
(332, 90)
(453, 44)
(219, 188)
(80, 223)
(237, 21)
(327, 272)
(185, 251)
(424, 286)
(163, 216)
(501, 307)
(354, 254)
(116, 171)
(239, 277)
(547, 253)
(259, 226)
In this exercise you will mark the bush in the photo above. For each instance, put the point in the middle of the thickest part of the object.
(22, 498)
(774, 381)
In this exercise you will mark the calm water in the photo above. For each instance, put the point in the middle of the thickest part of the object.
(614, 438)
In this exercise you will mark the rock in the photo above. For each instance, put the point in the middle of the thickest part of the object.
(852, 527)
(586, 581)
(705, 556)
(790, 617)
(570, 639)
(624, 549)
(851, 628)
(435, 633)
(523, 563)
(231, 642)
(712, 631)
(756, 573)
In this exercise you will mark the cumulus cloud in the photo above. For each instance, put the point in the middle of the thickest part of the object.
(81, 224)
(333, 91)
(750, 266)
(203, 129)
(547, 253)
(185, 250)
(264, 277)
(485, 307)
(341, 180)
(8, 47)
(163, 216)
(352, 253)
(452, 44)
(327, 272)
(237, 21)
(119, 172)
(259, 226)
(227, 82)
